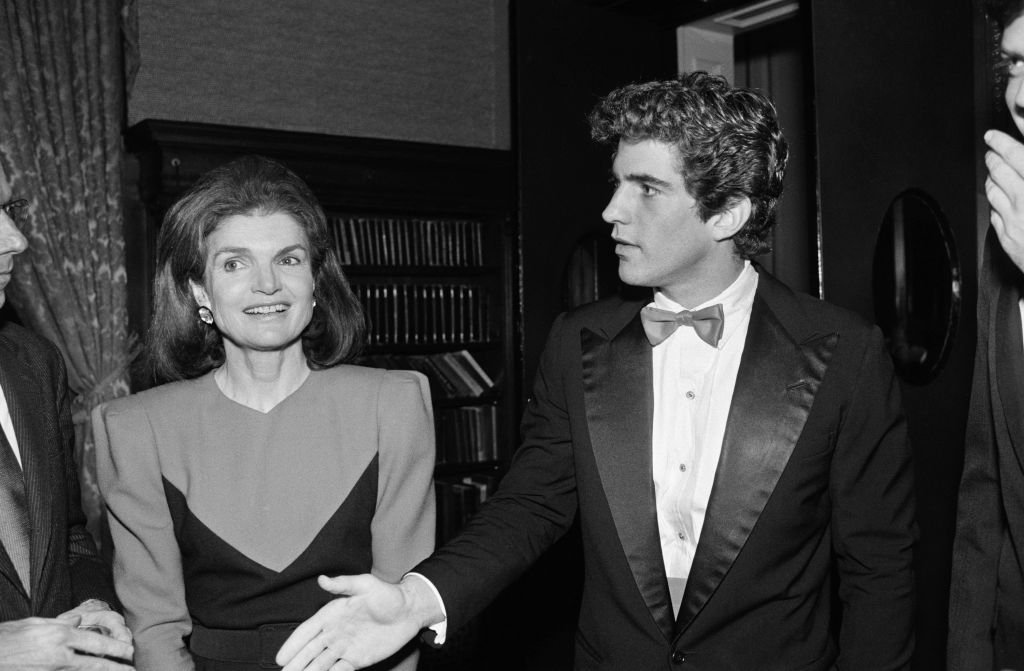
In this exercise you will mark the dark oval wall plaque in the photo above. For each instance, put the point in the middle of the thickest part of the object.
(916, 278)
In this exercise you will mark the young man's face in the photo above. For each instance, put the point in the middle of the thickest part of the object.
(659, 236)
(1012, 47)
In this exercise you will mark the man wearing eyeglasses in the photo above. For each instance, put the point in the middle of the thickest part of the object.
(48, 561)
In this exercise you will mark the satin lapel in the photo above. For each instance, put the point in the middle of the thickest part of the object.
(25, 404)
(775, 387)
(619, 397)
(1009, 368)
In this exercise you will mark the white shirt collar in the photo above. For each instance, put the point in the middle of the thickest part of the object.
(7, 425)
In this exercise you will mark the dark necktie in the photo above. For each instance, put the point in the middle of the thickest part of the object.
(14, 524)
(707, 322)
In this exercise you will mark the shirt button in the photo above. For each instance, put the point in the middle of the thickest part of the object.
(678, 657)
(682, 536)
(690, 395)
(682, 467)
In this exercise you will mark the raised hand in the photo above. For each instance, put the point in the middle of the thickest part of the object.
(1004, 188)
(369, 622)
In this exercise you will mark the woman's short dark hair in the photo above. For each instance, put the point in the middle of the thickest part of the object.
(179, 345)
(728, 140)
(1004, 12)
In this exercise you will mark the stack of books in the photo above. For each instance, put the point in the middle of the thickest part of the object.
(452, 375)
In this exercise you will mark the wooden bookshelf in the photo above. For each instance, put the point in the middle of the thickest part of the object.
(427, 236)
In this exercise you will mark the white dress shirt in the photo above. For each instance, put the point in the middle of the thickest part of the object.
(1020, 306)
(8, 426)
(693, 385)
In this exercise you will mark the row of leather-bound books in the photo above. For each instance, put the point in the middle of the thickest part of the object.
(397, 241)
(466, 434)
(400, 313)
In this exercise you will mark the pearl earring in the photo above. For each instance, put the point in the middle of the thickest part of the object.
(205, 315)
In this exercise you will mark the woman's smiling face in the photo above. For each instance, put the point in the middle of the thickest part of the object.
(258, 281)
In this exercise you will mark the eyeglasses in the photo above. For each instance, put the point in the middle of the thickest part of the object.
(11, 207)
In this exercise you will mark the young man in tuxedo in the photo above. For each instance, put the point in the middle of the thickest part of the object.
(736, 453)
(986, 605)
(48, 561)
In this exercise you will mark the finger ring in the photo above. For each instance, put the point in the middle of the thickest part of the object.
(97, 628)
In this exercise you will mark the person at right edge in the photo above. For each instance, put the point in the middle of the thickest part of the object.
(743, 483)
(986, 601)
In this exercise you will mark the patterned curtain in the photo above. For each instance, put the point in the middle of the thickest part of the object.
(61, 112)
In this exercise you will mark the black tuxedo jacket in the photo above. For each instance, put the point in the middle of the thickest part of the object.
(814, 482)
(66, 569)
(986, 604)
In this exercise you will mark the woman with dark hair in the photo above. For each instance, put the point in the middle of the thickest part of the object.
(264, 462)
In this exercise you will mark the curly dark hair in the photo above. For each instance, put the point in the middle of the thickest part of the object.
(1004, 12)
(728, 140)
(179, 346)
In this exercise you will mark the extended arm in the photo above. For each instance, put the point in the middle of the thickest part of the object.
(534, 506)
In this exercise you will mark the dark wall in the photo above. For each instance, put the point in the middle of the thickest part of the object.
(774, 60)
(894, 95)
(566, 56)
(420, 70)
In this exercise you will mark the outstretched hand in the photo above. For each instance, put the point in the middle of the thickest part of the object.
(369, 622)
(1004, 189)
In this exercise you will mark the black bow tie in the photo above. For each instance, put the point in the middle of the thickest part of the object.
(707, 322)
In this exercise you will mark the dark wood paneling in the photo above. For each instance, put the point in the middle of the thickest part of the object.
(893, 90)
(366, 172)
